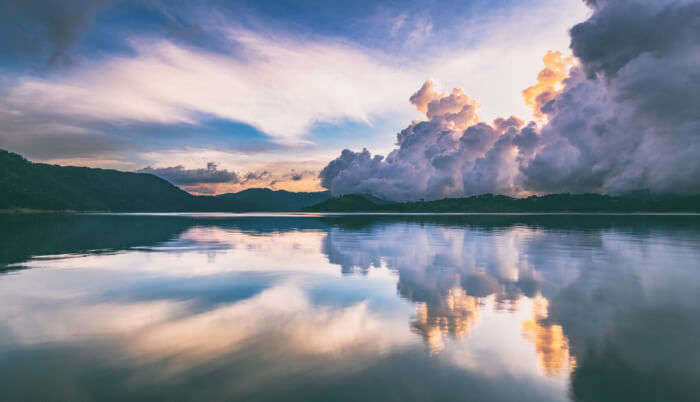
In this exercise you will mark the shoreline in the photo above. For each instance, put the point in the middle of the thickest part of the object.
(25, 211)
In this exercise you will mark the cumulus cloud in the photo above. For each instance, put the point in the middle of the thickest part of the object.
(181, 176)
(620, 31)
(626, 118)
(629, 118)
(549, 81)
(448, 155)
(456, 108)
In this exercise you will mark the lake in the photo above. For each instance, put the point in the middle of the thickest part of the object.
(197, 307)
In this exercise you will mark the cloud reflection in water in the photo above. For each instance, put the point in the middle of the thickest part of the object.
(284, 300)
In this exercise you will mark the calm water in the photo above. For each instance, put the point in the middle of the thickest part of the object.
(432, 308)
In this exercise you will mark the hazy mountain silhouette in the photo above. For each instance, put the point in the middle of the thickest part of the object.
(266, 199)
(502, 203)
(39, 186)
(24, 184)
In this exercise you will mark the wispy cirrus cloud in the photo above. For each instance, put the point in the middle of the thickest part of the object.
(243, 78)
(281, 86)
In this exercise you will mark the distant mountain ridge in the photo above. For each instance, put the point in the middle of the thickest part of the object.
(501, 203)
(266, 199)
(39, 186)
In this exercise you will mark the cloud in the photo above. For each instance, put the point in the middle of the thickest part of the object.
(290, 180)
(166, 83)
(307, 329)
(181, 176)
(449, 300)
(448, 155)
(549, 81)
(621, 31)
(239, 172)
(191, 71)
(456, 108)
(255, 176)
(46, 27)
(162, 330)
(626, 118)
(630, 117)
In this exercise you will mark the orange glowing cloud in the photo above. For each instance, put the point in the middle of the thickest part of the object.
(454, 317)
(456, 109)
(551, 344)
(549, 81)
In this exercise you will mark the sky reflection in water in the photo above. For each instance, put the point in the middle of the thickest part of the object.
(349, 308)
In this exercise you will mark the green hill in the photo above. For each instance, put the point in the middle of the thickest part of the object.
(39, 186)
(27, 185)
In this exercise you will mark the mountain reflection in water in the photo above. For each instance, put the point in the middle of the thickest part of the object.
(198, 307)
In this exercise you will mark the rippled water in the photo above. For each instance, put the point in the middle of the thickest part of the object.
(373, 308)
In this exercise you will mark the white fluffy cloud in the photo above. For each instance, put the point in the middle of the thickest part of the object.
(448, 155)
(626, 118)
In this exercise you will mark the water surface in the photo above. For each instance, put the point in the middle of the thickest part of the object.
(349, 308)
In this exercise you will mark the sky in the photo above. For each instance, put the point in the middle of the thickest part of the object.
(404, 100)
(269, 91)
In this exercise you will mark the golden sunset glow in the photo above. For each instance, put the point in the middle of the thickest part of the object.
(294, 200)
(551, 344)
(549, 81)
(454, 317)
(456, 109)
(306, 183)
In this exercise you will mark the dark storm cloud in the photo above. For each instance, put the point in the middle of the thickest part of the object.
(48, 28)
(298, 175)
(631, 119)
(181, 176)
(255, 176)
(621, 31)
(627, 118)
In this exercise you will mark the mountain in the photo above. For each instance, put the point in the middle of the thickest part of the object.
(28, 185)
(502, 203)
(349, 203)
(39, 186)
(265, 199)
